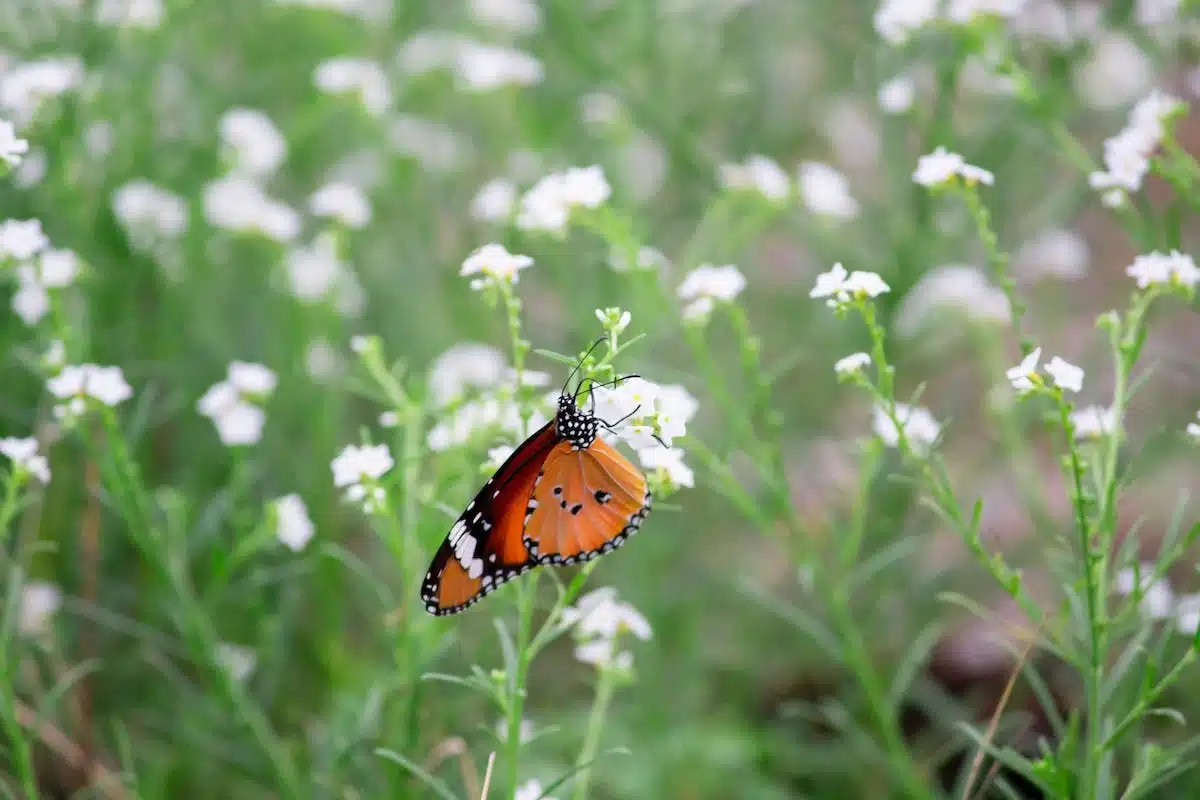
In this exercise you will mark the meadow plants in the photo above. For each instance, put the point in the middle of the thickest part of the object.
(907, 289)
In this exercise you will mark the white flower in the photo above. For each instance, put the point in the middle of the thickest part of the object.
(896, 96)
(233, 404)
(12, 147)
(600, 621)
(358, 76)
(314, 272)
(357, 470)
(472, 417)
(31, 301)
(530, 790)
(614, 319)
(825, 191)
(1093, 422)
(39, 602)
(838, 287)
(343, 201)
(25, 86)
(1165, 269)
(57, 268)
(1127, 154)
(485, 67)
(1193, 429)
(147, 212)
(496, 264)
(896, 20)
(25, 457)
(669, 462)
(293, 526)
(920, 428)
(940, 166)
(256, 146)
(645, 411)
(497, 456)
(21, 239)
(1066, 376)
(1187, 614)
(494, 201)
(852, 363)
(723, 283)
(77, 385)
(585, 187)
(647, 258)
(830, 283)
(239, 204)
(757, 173)
(525, 731)
(464, 366)
(237, 660)
(1157, 597)
(1023, 376)
(955, 288)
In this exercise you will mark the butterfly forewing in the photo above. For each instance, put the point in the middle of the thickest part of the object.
(586, 502)
(485, 546)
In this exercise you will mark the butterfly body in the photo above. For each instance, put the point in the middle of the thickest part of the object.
(564, 496)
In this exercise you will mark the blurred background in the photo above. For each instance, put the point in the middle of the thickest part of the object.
(244, 180)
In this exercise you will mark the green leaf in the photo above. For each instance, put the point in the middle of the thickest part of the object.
(439, 788)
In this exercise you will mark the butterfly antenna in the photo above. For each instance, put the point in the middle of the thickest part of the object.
(578, 366)
(594, 386)
(611, 425)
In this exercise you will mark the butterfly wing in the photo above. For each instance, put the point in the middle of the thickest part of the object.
(585, 503)
(484, 548)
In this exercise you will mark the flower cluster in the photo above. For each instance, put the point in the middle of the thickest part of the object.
(293, 527)
(1127, 155)
(1164, 269)
(235, 405)
(708, 285)
(25, 458)
(599, 621)
(357, 471)
(757, 174)
(496, 266)
(840, 288)
(649, 417)
(548, 204)
(252, 148)
(79, 387)
(12, 147)
(941, 166)
(1025, 377)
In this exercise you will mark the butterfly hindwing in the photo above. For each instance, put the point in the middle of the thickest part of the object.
(484, 547)
(585, 503)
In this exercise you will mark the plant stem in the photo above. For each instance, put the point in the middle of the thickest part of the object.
(591, 740)
(526, 591)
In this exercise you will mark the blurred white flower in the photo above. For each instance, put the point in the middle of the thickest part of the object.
(495, 264)
(497, 456)
(920, 428)
(12, 147)
(31, 171)
(757, 173)
(78, 385)
(1127, 154)
(1164, 269)
(428, 50)
(21, 239)
(964, 11)
(252, 142)
(313, 271)
(25, 86)
(1066, 375)
(357, 470)
(599, 109)
(1115, 72)
(148, 212)
(494, 202)
(1187, 614)
(670, 463)
(852, 363)
(1151, 13)
(1094, 422)
(25, 457)
(896, 20)
(432, 144)
(707, 284)
(463, 366)
(39, 602)
(1157, 596)
(293, 527)
(1059, 253)
(343, 201)
(547, 205)
(237, 660)
(599, 622)
(518, 16)
(389, 419)
(825, 191)
(239, 204)
(322, 361)
(235, 404)
(530, 790)
(647, 258)
(896, 96)
(490, 414)
(144, 14)
(1024, 376)
(940, 166)
(485, 67)
(956, 288)
(358, 76)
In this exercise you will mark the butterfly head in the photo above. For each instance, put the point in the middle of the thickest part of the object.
(577, 426)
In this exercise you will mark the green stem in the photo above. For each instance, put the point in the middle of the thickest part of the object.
(12, 725)
(526, 591)
(605, 687)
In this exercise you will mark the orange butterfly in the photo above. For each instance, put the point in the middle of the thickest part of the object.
(564, 496)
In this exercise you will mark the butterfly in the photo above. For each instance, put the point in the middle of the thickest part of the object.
(564, 496)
